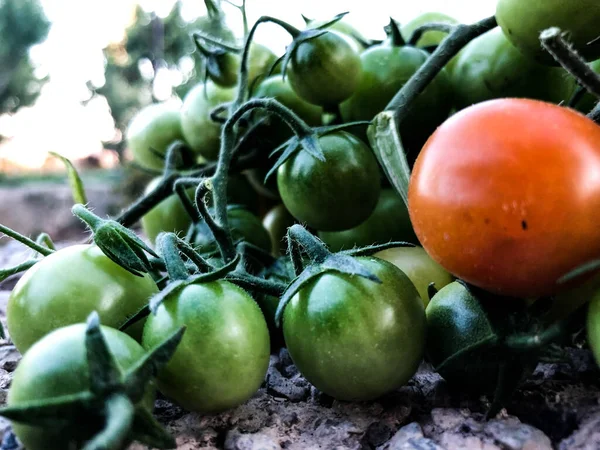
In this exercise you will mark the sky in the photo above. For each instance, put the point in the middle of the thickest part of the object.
(72, 55)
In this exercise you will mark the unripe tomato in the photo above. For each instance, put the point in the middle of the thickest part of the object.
(224, 355)
(226, 73)
(491, 67)
(325, 70)
(355, 339)
(57, 366)
(419, 267)
(335, 194)
(201, 133)
(506, 195)
(276, 222)
(429, 38)
(66, 287)
(154, 128)
(523, 21)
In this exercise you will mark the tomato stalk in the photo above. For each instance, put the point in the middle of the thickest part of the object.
(44, 251)
(564, 53)
(404, 99)
(432, 26)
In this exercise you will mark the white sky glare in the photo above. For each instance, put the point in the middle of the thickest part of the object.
(72, 55)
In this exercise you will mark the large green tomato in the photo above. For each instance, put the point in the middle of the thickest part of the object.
(523, 21)
(335, 194)
(224, 355)
(355, 339)
(153, 129)
(201, 133)
(325, 70)
(389, 222)
(419, 267)
(66, 287)
(57, 366)
(385, 69)
(491, 67)
(429, 38)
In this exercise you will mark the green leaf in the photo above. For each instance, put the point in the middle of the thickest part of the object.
(386, 143)
(77, 188)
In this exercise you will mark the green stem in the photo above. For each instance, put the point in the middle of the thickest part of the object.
(45, 240)
(45, 251)
(566, 55)
(405, 98)
(169, 250)
(180, 188)
(173, 158)
(119, 412)
(528, 343)
(433, 26)
(9, 272)
(295, 254)
(253, 283)
(316, 250)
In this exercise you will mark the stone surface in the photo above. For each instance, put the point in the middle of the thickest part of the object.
(558, 407)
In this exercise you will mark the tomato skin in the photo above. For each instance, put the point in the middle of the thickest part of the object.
(324, 70)
(57, 366)
(509, 212)
(202, 134)
(224, 355)
(324, 194)
(593, 326)
(491, 67)
(522, 22)
(154, 127)
(388, 222)
(276, 222)
(340, 324)
(429, 38)
(418, 267)
(385, 69)
(68, 285)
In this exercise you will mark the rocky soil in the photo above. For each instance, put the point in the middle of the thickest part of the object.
(557, 408)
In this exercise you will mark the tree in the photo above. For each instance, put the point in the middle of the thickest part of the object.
(22, 25)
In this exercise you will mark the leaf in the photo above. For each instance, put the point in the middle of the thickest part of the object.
(386, 143)
(77, 188)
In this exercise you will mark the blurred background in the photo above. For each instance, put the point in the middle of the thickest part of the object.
(74, 72)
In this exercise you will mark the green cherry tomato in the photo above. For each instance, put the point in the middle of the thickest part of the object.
(429, 38)
(276, 222)
(325, 70)
(523, 21)
(224, 355)
(385, 69)
(243, 224)
(151, 130)
(68, 285)
(593, 326)
(419, 267)
(225, 73)
(388, 222)
(491, 67)
(335, 194)
(201, 133)
(57, 366)
(355, 339)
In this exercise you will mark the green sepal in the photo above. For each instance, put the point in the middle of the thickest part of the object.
(104, 374)
(148, 431)
(119, 413)
(372, 249)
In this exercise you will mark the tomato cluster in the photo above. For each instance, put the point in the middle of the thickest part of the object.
(278, 219)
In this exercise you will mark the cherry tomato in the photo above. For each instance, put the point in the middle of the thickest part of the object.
(325, 70)
(388, 222)
(355, 339)
(336, 194)
(385, 69)
(522, 22)
(509, 211)
(429, 38)
(224, 355)
(201, 133)
(419, 267)
(225, 72)
(151, 130)
(68, 285)
(57, 366)
(276, 222)
(491, 67)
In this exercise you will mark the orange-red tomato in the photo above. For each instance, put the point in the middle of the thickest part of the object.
(506, 195)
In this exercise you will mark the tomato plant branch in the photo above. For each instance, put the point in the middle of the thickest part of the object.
(563, 52)
(404, 99)
(45, 251)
